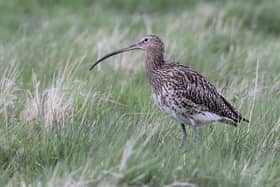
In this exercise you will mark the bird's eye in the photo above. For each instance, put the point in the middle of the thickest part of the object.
(146, 40)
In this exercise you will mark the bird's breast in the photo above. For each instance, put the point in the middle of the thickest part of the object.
(164, 103)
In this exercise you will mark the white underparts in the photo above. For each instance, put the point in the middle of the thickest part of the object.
(205, 118)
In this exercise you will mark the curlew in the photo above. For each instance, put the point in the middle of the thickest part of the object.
(180, 91)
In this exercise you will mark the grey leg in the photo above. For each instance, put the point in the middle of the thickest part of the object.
(195, 134)
(183, 133)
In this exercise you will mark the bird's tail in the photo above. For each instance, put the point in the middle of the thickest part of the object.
(234, 122)
(234, 116)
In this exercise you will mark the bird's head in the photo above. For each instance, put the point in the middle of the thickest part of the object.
(149, 42)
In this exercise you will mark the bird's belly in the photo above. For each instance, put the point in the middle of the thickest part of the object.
(167, 106)
(184, 115)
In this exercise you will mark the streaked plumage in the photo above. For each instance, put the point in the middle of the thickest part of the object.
(180, 91)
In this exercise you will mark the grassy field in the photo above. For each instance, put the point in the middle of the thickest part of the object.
(62, 125)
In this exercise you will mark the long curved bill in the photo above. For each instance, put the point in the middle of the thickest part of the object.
(129, 48)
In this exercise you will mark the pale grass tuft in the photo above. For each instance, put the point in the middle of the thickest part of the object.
(8, 88)
(57, 106)
(34, 103)
(49, 106)
(54, 105)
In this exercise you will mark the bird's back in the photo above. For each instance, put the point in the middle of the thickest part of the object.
(184, 89)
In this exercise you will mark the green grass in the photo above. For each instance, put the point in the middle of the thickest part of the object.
(62, 125)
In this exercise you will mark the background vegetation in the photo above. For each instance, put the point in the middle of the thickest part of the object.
(61, 125)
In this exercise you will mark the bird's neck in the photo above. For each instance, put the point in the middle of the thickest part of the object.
(153, 60)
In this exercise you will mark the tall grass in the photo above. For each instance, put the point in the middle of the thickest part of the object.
(61, 125)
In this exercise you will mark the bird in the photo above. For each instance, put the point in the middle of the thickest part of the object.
(180, 91)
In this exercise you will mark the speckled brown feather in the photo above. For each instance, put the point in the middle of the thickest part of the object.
(192, 90)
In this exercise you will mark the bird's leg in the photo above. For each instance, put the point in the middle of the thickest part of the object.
(183, 133)
(195, 134)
